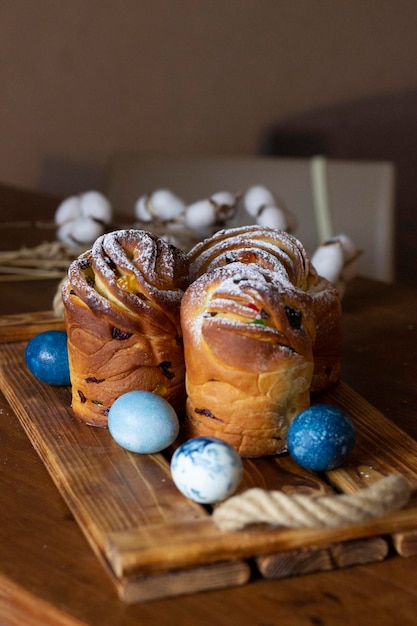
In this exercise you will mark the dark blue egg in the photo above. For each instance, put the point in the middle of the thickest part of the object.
(321, 437)
(46, 356)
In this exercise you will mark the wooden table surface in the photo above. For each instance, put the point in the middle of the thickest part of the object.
(49, 574)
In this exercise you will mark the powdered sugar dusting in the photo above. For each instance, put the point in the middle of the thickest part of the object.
(133, 270)
(276, 250)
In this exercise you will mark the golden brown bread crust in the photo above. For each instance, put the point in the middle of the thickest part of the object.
(122, 305)
(285, 256)
(272, 249)
(249, 361)
(261, 332)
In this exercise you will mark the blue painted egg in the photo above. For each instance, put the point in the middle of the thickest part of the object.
(46, 356)
(321, 437)
(206, 469)
(143, 422)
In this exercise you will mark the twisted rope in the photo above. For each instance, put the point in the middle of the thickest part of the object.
(297, 511)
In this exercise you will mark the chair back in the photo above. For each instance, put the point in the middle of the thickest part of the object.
(360, 195)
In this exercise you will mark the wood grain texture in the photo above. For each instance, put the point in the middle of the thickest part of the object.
(152, 541)
(333, 556)
(106, 487)
(381, 447)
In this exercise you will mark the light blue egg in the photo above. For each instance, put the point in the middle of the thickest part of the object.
(46, 356)
(321, 437)
(143, 422)
(206, 469)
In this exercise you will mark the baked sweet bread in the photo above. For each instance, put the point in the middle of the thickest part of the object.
(285, 256)
(272, 249)
(122, 311)
(249, 358)
(262, 331)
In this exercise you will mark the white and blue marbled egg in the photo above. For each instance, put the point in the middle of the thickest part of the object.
(321, 437)
(46, 356)
(143, 422)
(206, 469)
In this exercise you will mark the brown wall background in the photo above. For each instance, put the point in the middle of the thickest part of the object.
(81, 80)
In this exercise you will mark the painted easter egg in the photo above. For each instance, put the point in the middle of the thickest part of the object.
(206, 469)
(321, 437)
(46, 356)
(143, 422)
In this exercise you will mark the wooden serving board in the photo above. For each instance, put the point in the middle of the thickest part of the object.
(152, 540)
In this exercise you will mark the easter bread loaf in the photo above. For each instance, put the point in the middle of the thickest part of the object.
(285, 257)
(122, 312)
(262, 331)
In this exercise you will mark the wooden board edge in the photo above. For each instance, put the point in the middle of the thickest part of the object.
(23, 326)
(162, 549)
(210, 577)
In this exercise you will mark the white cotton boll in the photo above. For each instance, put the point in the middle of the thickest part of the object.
(81, 219)
(165, 205)
(96, 206)
(200, 215)
(256, 197)
(68, 210)
(348, 247)
(225, 198)
(272, 217)
(86, 230)
(350, 257)
(79, 232)
(351, 254)
(141, 209)
(225, 205)
(161, 204)
(328, 261)
(64, 234)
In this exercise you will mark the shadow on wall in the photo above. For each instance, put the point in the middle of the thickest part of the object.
(378, 128)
